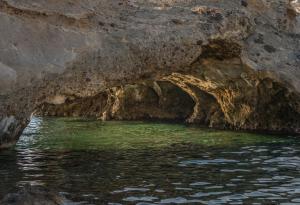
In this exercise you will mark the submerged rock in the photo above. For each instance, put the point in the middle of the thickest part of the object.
(31, 195)
(217, 63)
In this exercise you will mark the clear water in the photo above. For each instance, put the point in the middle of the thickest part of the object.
(152, 163)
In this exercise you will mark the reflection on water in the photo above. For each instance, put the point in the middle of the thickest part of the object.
(152, 163)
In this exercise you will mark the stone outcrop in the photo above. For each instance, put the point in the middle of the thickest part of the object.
(218, 63)
(31, 195)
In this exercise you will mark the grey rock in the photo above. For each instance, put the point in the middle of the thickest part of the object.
(78, 49)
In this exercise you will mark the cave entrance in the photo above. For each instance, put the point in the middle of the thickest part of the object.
(156, 100)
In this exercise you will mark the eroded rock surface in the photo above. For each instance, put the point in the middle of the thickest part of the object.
(228, 63)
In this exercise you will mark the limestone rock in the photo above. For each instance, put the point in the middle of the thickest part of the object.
(237, 59)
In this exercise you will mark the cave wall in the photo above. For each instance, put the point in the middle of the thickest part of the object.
(207, 96)
(237, 60)
(147, 101)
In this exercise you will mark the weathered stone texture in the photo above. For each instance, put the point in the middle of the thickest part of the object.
(238, 61)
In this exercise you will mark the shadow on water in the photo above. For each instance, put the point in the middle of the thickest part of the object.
(96, 162)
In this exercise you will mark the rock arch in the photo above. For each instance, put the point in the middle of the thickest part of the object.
(241, 57)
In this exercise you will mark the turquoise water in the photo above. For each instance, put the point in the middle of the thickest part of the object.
(114, 163)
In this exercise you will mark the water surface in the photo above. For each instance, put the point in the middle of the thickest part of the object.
(114, 163)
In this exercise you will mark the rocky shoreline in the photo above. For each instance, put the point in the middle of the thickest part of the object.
(232, 64)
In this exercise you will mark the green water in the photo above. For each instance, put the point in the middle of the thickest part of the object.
(114, 163)
(79, 134)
